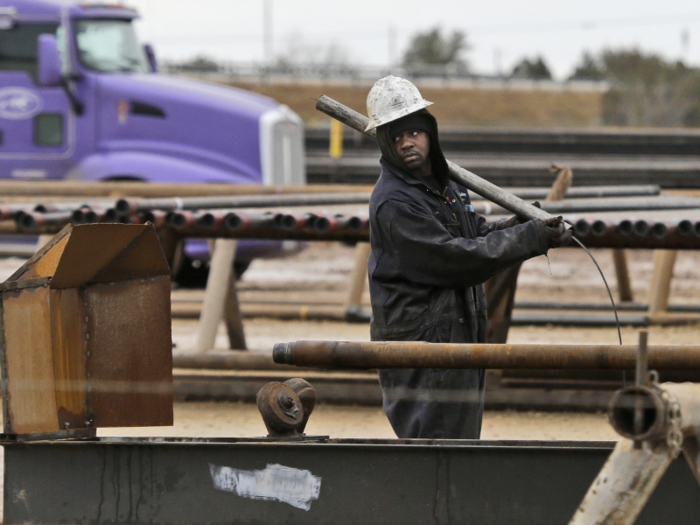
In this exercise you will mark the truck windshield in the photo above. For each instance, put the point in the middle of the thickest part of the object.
(109, 46)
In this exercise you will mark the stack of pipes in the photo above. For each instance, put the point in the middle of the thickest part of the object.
(268, 216)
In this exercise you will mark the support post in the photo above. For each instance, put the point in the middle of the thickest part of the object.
(233, 318)
(660, 285)
(220, 275)
(335, 149)
(624, 288)
(358, 277)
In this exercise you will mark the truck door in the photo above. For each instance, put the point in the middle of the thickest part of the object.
(37, 128)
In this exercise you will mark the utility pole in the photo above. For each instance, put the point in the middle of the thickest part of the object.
(267, 32)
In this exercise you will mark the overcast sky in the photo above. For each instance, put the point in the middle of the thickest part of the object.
(500, 32)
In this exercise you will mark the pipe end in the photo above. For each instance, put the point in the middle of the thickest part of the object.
(283, 353)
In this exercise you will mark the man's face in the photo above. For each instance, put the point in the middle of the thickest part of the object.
(413, 146)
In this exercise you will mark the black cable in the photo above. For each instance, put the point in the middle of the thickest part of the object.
(617, 319)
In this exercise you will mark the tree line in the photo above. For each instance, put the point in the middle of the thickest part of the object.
(645, 89)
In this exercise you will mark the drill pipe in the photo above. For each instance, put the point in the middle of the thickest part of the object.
(29, 221)
(586, 192)
(211, 219)
(244, 226)
(155, 217)
(603, 205)
(131, 206)
(375, 354)
(640, 234)
(334, 222)
(181, 219)
(640, 228)
(71, 206)
(242, 222)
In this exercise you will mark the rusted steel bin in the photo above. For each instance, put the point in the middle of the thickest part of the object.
(86, 334)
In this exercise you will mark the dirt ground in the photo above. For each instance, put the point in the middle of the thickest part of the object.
(320, 273)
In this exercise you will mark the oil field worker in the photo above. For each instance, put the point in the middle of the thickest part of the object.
(431, 254)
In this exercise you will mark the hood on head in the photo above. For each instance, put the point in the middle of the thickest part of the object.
(437, 158)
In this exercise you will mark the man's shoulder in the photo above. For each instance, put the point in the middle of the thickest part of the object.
(390, 187)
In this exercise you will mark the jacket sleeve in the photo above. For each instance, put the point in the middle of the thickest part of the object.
(484, 228)
(429, 254)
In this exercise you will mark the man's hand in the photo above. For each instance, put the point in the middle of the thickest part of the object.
(515, 220)
(557, 234)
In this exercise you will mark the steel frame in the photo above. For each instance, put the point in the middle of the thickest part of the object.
(132, 480)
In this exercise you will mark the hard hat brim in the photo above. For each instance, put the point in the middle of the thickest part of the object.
(373, 124)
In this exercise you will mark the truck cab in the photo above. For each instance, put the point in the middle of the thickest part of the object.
(80, 98)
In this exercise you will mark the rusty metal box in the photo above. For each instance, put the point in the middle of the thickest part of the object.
(85, 335)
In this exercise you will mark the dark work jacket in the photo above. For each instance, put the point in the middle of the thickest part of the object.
(431, 254)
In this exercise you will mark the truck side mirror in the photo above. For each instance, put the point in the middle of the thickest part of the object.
(48, 61)
(151, 57)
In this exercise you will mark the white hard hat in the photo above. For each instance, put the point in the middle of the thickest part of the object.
(392, 98)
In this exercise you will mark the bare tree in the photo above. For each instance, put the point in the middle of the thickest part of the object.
(300, 54)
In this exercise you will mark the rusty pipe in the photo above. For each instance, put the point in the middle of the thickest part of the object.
(376, 354)
(640, 228)
(660, 230)
(685, 228)
(180, 219)
(582, 228)
(112, 215)
(600, 227)
(625, 227)
(211, 219)
(155, 217)
(240, 222)
(292, 221)
(333, 223)
(29, 221)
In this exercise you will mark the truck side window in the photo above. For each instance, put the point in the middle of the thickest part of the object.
(48, 129)
(18, 47)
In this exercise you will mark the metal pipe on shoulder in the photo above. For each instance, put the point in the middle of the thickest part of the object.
(458, 174)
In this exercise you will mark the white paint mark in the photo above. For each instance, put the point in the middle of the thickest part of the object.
(295, 487)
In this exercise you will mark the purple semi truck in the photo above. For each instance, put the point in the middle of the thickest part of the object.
(80, 99)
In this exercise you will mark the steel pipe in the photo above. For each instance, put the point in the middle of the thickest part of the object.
(241, 222)
(623, 306)
(584, 192)
(28, 221)
(640, 228)
(67, 188)
(388, 354)
(132, 206)
(458, 174)
(638, 234)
